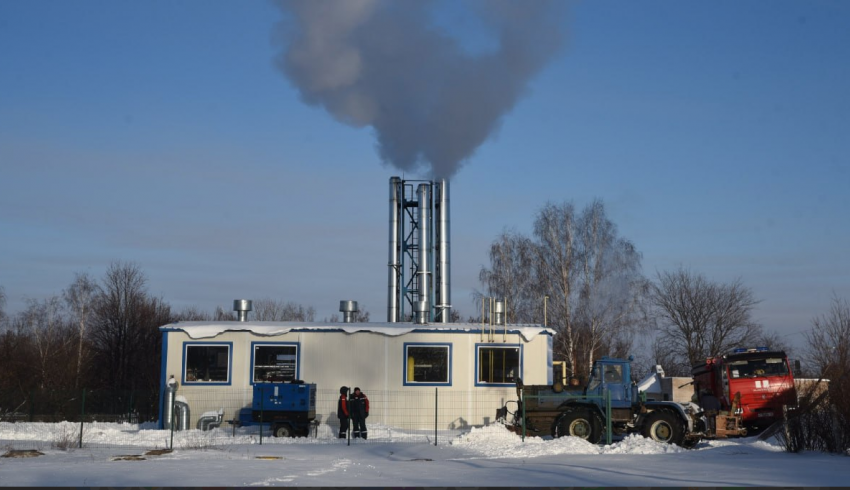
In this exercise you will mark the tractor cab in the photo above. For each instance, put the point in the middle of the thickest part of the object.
(610, 375)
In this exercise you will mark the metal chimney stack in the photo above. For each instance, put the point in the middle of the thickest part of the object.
(424, 193)
(419, 251)
(394, 280)
(348, 309)
(242, 307)
(443, 285)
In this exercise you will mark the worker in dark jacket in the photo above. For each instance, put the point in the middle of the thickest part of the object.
(342, 412)
(359, 406)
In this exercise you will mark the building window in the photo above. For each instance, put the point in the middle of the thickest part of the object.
(274, 362)
(207, 363)
(497, 365)
(427, 364)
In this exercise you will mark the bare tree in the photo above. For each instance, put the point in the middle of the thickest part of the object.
(270, 310)
(2, 307)
(80, 297)
(47, 326)
(16, 362)
(511, 277)
(223, 316)
(611, 286)
(823, 420)
(589, 276)
(828, 342)
(557, 258)
(697, 318)
(125, 332)
(191, 314)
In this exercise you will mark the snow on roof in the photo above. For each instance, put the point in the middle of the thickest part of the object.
(204, 330)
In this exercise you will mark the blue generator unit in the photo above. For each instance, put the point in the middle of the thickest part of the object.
(288, 408)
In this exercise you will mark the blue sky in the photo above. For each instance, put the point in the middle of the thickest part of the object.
(162, 133)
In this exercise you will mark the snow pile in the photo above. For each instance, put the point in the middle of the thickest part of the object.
(636, 444)
(496, 441)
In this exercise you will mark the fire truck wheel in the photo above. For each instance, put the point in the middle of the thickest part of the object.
(663, 426)
(282, 431)
(580, 423)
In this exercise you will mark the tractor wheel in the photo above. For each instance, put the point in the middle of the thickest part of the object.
(282, 430)
(583, 424)
(665, 427)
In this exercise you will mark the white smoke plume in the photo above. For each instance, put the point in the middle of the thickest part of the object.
(387, 65)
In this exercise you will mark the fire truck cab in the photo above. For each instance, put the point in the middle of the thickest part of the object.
(762, 377)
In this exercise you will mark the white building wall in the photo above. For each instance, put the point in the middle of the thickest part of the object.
(374, 362)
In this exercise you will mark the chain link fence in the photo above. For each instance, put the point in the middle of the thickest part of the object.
(205, 418)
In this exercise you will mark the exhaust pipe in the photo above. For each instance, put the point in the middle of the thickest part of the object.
(424, 250)
(444, 291)
(393, 295)
(348, 309)
(242, 307)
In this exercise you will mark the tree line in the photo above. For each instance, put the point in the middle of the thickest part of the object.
(575, 273)
(103, 335)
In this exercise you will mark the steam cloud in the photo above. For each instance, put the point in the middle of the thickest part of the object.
(384, 64)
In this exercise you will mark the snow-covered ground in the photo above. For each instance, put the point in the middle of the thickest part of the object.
(489, 456)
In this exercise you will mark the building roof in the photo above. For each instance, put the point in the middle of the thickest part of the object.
(204, 330)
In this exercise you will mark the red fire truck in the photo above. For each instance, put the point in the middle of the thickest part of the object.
(762, 377)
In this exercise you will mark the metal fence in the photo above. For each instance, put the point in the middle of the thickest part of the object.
(129, 419)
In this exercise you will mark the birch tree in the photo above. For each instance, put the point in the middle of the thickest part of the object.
(511, 277)
(555, 231)
(589, 275)
(80, 297)
(611, 286)
(45, 322)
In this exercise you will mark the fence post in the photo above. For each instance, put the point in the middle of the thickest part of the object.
(173, 409)
(436, 409)
(262, 395)
(32, 398)
(608, 417)
(82, 417)
(522, 420)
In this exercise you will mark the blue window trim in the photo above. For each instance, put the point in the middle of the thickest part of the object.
(261, 344)
(229, 381)
(404, 380)
(496, 346)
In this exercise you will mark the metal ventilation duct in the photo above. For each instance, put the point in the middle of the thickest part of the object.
(424, 193)
(499, 310)
(393, 295)
(242, 307)
(348, 309)
(444, 291)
